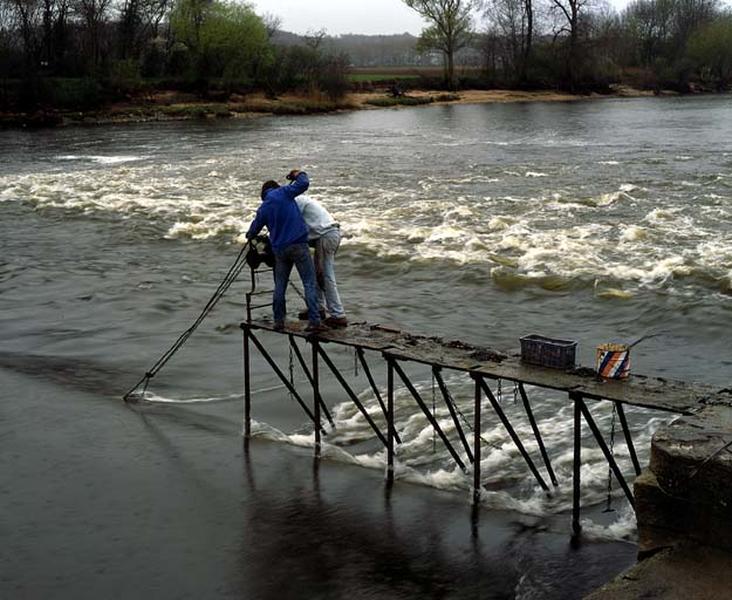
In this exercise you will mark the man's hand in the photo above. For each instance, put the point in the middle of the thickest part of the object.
(292, 175)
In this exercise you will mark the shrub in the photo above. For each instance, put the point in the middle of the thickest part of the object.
(401, 101)
(124, 76)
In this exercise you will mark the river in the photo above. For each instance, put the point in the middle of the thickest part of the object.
(593, 221)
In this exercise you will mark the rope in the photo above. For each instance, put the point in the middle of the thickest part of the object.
(231, 275)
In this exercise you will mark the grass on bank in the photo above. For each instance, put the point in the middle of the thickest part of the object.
(380, 78)
(411, 100)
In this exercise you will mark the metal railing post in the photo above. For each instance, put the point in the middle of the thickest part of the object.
(576, 463)
(316, 396)
(390, 421)
(476, 441)
(247, 386)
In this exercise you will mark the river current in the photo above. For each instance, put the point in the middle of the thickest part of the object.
(593, 221)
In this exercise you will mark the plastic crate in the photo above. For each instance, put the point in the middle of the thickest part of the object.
(548, 352)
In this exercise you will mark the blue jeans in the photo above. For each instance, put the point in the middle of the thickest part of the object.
(325, 251)
(299, 256)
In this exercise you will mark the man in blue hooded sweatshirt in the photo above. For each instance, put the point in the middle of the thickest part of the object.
(289, 236)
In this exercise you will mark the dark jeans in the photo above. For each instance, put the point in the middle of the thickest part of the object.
(299, 256)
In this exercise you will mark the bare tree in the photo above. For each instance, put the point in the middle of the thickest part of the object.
(272, 24)
(94, 15)
(571, 13)
(314, 38)
(28, 16)
(450, 28)
(514, 20)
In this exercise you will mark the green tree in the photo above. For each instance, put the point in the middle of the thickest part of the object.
(224, 39)
(450, 28)
(711, 50)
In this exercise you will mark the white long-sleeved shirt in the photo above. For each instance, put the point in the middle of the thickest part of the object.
(316, 217)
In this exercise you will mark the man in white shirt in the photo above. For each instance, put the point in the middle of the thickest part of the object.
(325, 234)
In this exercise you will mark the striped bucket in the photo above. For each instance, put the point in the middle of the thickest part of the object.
(613, 361)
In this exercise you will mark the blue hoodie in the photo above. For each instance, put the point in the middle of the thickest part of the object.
(280, 214)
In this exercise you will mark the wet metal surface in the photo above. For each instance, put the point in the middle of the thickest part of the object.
(639, 390)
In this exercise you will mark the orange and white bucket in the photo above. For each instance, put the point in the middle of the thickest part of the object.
(613, 361)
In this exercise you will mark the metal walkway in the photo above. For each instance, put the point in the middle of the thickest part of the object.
(485, 367)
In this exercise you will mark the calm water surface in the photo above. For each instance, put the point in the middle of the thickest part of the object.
(595, 221)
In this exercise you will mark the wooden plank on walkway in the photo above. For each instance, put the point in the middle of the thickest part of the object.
(638, 390)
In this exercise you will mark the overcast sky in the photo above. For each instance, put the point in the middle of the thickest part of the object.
(349, 16)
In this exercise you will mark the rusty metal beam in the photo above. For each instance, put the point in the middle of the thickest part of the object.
(351, 394)
(606, 451)
(476, 442)
(247, 386)
(390, 421)
(430, 418)
(362, 359)
(284, 379)
(437, 372)
(509, 428)
(317, 401)
(537, 434)
(310, 377)
(628, 438)
(576, 464)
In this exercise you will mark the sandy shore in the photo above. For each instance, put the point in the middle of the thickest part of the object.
(174, 106)
(499, 96)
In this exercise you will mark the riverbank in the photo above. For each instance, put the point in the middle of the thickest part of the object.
(176, 106)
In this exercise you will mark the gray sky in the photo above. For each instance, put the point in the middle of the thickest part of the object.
(349, 16)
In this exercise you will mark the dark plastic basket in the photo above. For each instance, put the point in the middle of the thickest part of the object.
(548, 352)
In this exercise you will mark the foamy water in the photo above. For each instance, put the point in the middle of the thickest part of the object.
(422, 458)
(595, 221)
(620, 238)
(551, 212)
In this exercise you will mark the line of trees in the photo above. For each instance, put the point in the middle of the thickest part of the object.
(584, 44)
(77, 52)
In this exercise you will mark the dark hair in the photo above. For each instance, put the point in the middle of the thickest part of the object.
(269, 185)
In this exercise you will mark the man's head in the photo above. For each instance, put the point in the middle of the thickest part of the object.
(269, 185)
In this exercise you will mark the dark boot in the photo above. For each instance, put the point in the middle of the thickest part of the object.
(336, 322)
(317, 328)
(303, 315)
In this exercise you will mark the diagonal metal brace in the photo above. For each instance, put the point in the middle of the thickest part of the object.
(608, 455)
(305, 369)
(437, 372)
(628, 438)
(284, 380)
(537, 434)
(374, 387)
(351, 394)
(510, 430)
(430, 418)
